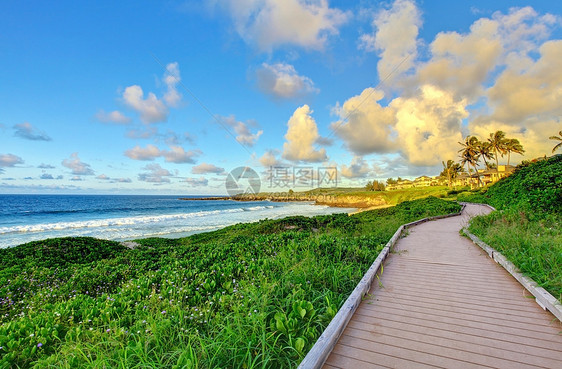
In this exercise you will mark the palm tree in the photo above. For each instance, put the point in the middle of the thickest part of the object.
(470, 154)
(496, 143)
(557, 138)
(513, 145)
(451, 171)
(485, 149)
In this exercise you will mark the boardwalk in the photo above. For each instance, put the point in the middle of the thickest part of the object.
(441, 302)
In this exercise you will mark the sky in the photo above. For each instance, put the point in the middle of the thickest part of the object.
(167, 97)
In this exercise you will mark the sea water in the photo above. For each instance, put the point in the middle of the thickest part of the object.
(25, 218)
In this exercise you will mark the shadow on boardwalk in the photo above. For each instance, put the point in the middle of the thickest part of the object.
(441, 302)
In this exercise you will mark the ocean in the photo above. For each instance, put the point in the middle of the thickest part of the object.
(25, 218)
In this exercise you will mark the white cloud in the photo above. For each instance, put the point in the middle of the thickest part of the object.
(136, 134)
(282, 81)
(358, 168)
(46, 166)
(77, 166)
(369, 126)
(154, 173)
(27, 131)
(149, 153)
(268, 24)
(112, 117)
(9, 160)
(123, 180)
(103, 177)
(302, 134)
(177, 154)
(395, 38)
(151, 109)
(171, 78)
(205, 168)
(76, 179)
(242, 130)
(269, 159)
(46, 176)
(429, 126)
(197, 182)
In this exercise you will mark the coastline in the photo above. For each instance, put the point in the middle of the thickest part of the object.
(357, 202)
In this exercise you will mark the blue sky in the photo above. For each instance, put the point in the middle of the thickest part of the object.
(167, 97)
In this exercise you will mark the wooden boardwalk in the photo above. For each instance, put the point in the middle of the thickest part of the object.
(441, 302)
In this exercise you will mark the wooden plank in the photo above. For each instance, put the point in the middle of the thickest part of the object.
(495, 340)
(452, 348)
(353, 357)
(540, 339)
(439, 313)
(467, 308)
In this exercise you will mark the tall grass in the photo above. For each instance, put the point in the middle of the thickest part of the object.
(527, 226)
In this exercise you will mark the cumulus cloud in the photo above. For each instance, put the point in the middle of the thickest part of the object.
(154, 173)
(282, 81)
(358, 168)
(206, 168)
(429, 125)
(171, 78)
(9, 160)
(123, 180)
(242, 130)
(268, 24)
(46, 166)
(46, 176)
(144, 133)
(196, 182)
(76, 179)
(77, 166)
(103, 177)
(394, 39)
(176, 154)
(148, 153)
(112, 117)
(151, 109)
(27, 131)
(365, 125)
(269, 159)
(302, 134)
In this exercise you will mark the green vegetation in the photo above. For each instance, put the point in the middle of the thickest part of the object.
(393, 197)
(247, 296)
(527, 229)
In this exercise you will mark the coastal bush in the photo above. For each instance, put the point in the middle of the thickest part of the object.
(246, 296)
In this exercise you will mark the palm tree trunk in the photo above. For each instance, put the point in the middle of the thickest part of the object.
(508, 157)
(480, 184)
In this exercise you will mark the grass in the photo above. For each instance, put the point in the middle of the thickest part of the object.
(248, 296)
(533, 243)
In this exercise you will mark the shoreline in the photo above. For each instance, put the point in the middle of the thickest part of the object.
(357, 202)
